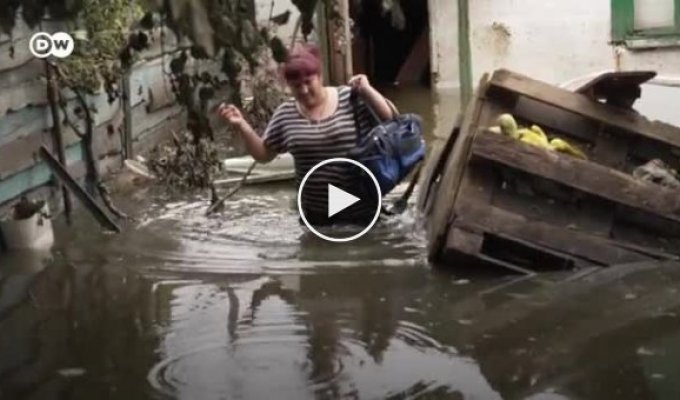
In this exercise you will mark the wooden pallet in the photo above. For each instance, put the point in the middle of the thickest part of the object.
(492, 199)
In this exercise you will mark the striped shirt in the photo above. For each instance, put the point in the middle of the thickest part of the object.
(311, 142)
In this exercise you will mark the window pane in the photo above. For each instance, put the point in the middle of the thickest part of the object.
(654, 14)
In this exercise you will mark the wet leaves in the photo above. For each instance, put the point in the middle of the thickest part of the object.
(187, 163)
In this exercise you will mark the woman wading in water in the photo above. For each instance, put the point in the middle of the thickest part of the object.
(315, 125)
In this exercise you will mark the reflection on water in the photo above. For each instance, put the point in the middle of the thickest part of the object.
(187, 307)
(247, 305)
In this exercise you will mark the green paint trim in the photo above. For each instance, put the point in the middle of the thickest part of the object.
(37, 175)
(464, 52)
(623, 19)
(623, 23)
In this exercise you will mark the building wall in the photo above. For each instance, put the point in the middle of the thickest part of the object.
(444, 43)
(551, 40)
(26, 123)
(554, 40)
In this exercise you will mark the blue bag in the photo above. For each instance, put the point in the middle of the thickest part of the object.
(390, 150)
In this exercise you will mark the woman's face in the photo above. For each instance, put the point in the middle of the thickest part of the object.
(308, 91)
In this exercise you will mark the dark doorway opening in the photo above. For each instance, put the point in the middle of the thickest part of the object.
(391, 45)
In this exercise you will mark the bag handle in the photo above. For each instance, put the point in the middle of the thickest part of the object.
(354, 102)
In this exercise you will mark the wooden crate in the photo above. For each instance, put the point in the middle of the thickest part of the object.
(492, 199)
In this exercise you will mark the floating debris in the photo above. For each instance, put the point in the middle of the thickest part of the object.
(187, 163)
(642, 351)
(71, 372)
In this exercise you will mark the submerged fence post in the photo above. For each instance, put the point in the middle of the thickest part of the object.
(57, 137)
(127, 117)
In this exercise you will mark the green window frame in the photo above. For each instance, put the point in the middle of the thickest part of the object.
(624, 32)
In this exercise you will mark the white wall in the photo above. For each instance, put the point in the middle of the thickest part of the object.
(444, 43)
(554, 40)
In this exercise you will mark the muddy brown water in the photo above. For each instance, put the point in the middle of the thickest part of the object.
(247, 305)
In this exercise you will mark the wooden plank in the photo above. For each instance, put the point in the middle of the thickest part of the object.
(453, 174)
(578, 244)
(548, 201)
(30, 120)
(585, 176)
(481, 184)
(21, 35)
(22, 123)
(439, 154)
(555, 120)
(35, 176)
(464, 241)
(626, 121)
(21, 87)
(60, 171)
(22, 152)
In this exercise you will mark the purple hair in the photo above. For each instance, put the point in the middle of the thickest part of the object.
(302, 62)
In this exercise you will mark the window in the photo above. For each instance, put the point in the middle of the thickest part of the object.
(646, 23)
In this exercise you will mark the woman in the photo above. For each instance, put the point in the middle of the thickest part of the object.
(315, 125)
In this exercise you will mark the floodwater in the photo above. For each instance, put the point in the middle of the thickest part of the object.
(247, 305)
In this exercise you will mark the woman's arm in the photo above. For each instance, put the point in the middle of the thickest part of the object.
(374, 99)
(254, 143)
(378, 103)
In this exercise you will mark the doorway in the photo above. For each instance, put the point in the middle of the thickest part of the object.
(391, 42)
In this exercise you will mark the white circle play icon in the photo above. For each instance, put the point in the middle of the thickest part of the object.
(339, 200)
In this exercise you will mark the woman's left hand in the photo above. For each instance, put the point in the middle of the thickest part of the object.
(360, 83)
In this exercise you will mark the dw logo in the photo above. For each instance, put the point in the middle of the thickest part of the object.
(59, 45)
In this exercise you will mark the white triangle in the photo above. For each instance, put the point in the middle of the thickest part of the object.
(338, 200)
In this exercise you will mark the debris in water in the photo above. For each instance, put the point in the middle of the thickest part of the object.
(645, 352)
(71, 372)
(461, 282)
(630, 296)
(188, 163)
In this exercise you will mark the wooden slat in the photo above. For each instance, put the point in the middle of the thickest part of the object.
(625, 120)
(579, 244)
(21, 87)
(453, 174)
(464, 241)
(585, 176)
(21, 34)
(22, 152)
(69, 180)
(35, 176)
(555, 120)
(22, 123)
(439, 154)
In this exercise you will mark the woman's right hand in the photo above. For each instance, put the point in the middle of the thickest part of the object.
(231, 114)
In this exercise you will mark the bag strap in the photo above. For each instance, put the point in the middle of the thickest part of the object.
(354, 102)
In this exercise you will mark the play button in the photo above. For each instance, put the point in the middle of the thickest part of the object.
(339, 200)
